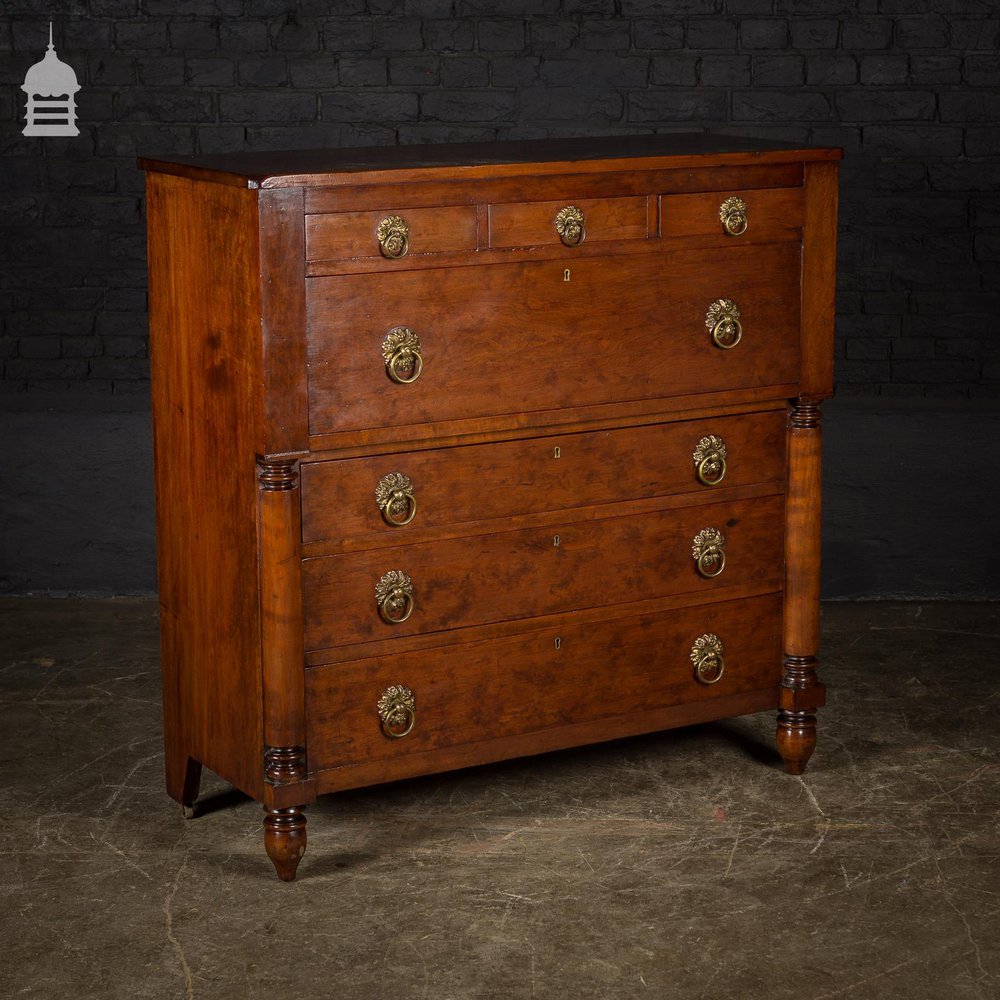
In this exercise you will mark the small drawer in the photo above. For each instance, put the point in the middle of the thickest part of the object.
(361, 499)
(416, 230)
(759, 216)
(572, 223)
(552, 678)
(426, 587)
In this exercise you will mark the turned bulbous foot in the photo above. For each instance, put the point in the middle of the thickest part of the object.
(796, 739)
(285, 839)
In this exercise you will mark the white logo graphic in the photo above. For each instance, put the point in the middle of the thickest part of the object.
(50, 86)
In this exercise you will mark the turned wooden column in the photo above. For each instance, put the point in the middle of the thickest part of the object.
(801, 692)
(283, 666)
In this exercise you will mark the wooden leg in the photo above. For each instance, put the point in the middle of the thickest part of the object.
(285, 839)
(801, 692)
(183, 779)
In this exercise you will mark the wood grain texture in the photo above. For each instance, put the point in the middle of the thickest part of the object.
(353, 234)
(624, 328)
(205, 362)
(533, 223)
(477, 483)
(775, 214)
(521, 574)
(524, 684)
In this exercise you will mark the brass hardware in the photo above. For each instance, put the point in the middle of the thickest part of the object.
(394, 596)
(557, 453)
(570, 227)
(733, 214)
(723, 322)
(708, 552)
(710, 460)
(394, 496)
(558, 642)
(403, 360)
(393, 237)
(397, 710)
(566, 274)
(556, 541)
(706, 655)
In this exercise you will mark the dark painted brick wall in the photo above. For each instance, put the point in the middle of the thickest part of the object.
(910, 88)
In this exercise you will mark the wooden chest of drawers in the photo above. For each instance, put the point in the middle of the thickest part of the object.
(469, 452)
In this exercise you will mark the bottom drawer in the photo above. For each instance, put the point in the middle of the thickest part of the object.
(562, 677)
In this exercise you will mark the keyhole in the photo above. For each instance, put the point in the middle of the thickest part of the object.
(566, 274)
(556, 540)
(557, 452)
(558, 642)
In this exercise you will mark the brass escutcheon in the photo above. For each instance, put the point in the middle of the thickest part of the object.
(394, 496)
(393, 237)
(570, 226)
(710, 460)
(733, 213)
(394, 597)
(397, 711)
(706, 655)
(708, 551)
(401, 351)
(723, 322)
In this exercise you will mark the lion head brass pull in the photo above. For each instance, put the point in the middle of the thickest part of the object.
(394, 496)
(708, 551)
(394, 596)
(401, 351)
(733, 214)
(393, 237)
(723, 322)
(570, 226)
(706, 655)
(397, 710)
(710, 460)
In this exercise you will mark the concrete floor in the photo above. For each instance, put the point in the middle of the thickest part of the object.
(681, 865)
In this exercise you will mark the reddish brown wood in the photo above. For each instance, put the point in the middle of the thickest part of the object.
(269, 302)
(774, 214)
(353, 234)
(518, 574)
(522, 224)
(285, 840)
(483, 482)
(204, 312)
(523, 684)
(621, 328)
(801, 691)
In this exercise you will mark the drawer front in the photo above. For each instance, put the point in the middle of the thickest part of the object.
(527, 683)
(538, 571)
(552, 222)
(356, 234)
(506, 338)
(765, 216)
(451, 486)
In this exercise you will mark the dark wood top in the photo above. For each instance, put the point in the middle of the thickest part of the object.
(326, 167)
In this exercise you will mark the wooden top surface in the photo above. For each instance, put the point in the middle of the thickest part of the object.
(367, 164)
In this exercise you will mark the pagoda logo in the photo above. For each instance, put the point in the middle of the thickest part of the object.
(51, 87)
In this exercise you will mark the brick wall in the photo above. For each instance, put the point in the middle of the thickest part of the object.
(910, 89)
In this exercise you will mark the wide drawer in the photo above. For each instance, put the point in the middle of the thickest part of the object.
(529, 572)
(350, 499)
(554, 678)
(509, 338)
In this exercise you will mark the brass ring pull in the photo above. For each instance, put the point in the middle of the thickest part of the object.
(394, 597)
(710, 460)
(733, 214)
(393, 237)
(397, 711)
(709, 552)
(706, 655)
(401, 351)
(723, 321)
(394, 496)
(570, 226)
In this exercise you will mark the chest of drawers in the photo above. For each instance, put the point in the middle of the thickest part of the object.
(469, 452)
